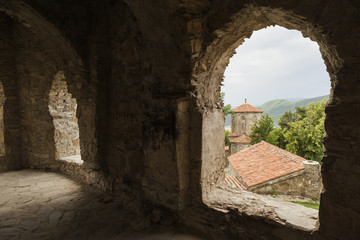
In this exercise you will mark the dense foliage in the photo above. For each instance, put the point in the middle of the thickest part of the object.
(227, 140)
(262, 129)
(301, 132)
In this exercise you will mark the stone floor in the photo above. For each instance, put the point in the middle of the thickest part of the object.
(44, 205)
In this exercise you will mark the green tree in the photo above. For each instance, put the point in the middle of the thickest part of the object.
(288, 117)
(261, 130)
(305, 137)
(277, 138)
(227, 108)
(227, 140)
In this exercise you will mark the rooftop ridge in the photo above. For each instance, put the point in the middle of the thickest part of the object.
(247, 108)
(264, 162)
(241, 139)
(282, 152)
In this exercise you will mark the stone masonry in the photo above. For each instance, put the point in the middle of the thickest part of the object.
(62, 108)
(265, 168)
(2, 139)
(304, 183)
(243, 118)
(146, 77)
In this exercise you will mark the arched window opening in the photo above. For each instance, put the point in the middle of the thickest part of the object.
(282, 76)
(62, 108)
(275, 80)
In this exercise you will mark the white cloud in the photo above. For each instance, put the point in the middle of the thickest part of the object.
(275, 63)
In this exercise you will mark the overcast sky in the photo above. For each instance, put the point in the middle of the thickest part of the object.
(275, 63)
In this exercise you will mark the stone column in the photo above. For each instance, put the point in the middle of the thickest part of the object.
(312, 179)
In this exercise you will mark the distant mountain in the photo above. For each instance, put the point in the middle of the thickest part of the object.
(276, 108)
(293, 99)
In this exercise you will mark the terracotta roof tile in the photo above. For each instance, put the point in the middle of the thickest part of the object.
(234, 182)
(227, 148)
(263, 162)
(241, 139)
(247, 108)
(233, 135)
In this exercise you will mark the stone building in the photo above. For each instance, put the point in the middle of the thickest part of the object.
(242, 119)
(239, 143)
(146, 77)
(263, 168)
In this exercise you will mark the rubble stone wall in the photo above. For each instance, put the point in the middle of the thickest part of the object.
(306, 183)
(62, 108)
(129, 63)
(2, 137)
(10, 158)
(241, 123)
(237, 147)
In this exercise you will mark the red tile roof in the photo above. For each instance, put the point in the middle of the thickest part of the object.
(263, 162)
(227, 148)
(233, 135)
(234, 182)
(241, 139)
(247, 108)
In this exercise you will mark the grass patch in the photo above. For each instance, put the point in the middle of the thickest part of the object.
(308, 204)
(315, 199)
(273, 192)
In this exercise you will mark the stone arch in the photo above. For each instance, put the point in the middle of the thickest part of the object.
(223, 36)
(52, 52)
(210, 64)
(218, 52)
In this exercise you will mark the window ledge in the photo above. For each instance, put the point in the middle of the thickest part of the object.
(224, 198)
(76, 159)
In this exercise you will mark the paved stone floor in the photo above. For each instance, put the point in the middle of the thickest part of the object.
(45, 205)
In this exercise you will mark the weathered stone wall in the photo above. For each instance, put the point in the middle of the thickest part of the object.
(227, 153)
(129, 64)
(241, 123)
(35, 73)
(2, 138)
(62, 109)
(305, 183)
(40, 51)
(4, 43)
(11, 155)
(212, 150)
(312, 180)
(237, 147)
(225, 30)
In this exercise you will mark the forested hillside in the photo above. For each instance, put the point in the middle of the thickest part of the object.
(276, 108)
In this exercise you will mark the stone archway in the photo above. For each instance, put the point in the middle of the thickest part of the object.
(49, 51)
(210, 65)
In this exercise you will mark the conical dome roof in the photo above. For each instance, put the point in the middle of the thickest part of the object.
(247, 108)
